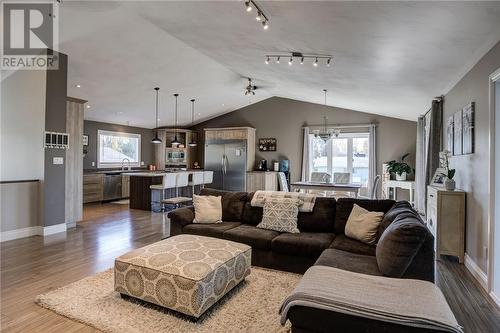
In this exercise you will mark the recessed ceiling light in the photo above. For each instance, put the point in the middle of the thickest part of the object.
(88, 106)
(78, 86)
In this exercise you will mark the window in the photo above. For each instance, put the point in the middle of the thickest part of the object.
(115, 147)
(348, 153)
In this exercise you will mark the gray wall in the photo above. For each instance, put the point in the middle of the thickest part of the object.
(90, 128)
(283, 119)
(55, 121)
(472, 170)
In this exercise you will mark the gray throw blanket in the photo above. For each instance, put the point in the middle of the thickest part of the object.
(401, 301)
(308, 200)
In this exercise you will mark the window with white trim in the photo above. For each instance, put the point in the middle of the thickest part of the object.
(347, 153)
(115, 148)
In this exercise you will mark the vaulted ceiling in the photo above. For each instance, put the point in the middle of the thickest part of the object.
(390, 58)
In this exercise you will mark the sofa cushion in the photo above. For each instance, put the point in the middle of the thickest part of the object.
(280, 214)
(344, 208)
(399, 244)
(232, 203)
(348, 261)
(251, 215)
(250, 235)
(209, 229)
(398, 208)
(207, 209)
(363, 225)
(344, 243)
(304, 244)
(320, 219)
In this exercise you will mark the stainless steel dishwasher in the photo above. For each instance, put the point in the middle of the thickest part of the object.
(112, 186)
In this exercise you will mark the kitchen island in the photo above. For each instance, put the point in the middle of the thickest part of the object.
(141, 196)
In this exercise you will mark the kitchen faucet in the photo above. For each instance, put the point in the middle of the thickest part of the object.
(123, 164)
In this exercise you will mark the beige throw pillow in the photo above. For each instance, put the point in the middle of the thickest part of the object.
(363, 225)
(280, 214)
(207, 209)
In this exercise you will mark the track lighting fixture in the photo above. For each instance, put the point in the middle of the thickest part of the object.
(247, 4)
(315, 58)
(261, 16)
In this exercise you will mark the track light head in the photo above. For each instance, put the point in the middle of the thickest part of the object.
(302, 61)
(315, 64)
(259, 16)
(328, 62)
(290, 62)
(267, 61)
(249, 7)
(265, 25)
(278, 60)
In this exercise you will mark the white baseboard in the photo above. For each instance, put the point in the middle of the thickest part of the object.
(495, 298)
(477, 272)
(19, 233)
(32, 231)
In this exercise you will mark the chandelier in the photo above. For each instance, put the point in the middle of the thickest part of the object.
(326, 133)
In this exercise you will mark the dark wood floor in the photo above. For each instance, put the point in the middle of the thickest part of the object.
(35, 265)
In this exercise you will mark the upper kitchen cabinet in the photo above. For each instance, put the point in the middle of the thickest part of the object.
(168, 155)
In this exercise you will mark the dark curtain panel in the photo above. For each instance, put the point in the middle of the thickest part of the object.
(435, 138)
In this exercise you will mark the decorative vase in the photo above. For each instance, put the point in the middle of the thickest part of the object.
(401, 177)
(449, 184)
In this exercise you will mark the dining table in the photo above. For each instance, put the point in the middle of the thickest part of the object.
(326, 186)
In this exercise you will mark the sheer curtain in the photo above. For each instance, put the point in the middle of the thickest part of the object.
(306, 156)
(372, 142)
(420, 181)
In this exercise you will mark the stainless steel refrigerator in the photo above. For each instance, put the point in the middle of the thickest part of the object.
(228, 162)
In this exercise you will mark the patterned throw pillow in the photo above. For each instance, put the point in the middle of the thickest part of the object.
(280, 214)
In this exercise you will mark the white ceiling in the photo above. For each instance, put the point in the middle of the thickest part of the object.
(391, 58)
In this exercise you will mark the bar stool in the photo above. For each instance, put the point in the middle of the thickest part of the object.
(182, 180)
(168, 182)
(208, 177)
(196, 179)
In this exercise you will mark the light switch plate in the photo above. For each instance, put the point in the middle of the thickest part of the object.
(93, 163)
(58, 160)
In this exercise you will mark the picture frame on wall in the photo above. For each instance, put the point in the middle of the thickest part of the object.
(267, 144)
(468, 129)
(457, 133)
(450, 134)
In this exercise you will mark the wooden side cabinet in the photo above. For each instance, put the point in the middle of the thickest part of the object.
(446, 221)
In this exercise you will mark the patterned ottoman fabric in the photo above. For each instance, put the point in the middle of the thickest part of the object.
(186, 273)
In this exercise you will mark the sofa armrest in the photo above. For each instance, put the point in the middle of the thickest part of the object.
(179, 218)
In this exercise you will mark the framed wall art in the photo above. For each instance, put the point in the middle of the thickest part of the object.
(468, 128)
(267, 144)
(457, 133)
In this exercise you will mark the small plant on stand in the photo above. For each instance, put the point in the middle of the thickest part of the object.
(400, 169)
(449, 182)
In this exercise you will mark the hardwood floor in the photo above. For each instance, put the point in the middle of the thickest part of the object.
(35, 265)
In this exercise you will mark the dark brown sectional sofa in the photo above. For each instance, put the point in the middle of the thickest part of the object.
(405, 249)
(409, 254)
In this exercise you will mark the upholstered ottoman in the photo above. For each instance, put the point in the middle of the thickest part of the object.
(185, 273)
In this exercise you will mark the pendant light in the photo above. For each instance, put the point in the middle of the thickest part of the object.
(192, 143)
(325, 134)
(175, 142)
(156, 139)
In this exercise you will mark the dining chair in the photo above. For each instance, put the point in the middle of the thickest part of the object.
(196, 179)
(208, 178)
(323, 177)
(341, 177)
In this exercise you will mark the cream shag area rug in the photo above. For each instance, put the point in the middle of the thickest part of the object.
(250, 307)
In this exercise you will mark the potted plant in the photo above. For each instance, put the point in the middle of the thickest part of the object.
(400, 169)
(449, 182)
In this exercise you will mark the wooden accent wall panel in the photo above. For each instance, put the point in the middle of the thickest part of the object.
(74, 163)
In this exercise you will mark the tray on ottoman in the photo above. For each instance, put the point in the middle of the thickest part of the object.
(185, 273)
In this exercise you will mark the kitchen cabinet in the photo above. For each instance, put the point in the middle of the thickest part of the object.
(262, 181)
(93, 186)
(220, 135)
(446, 221)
